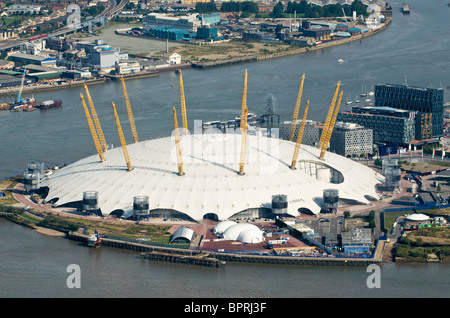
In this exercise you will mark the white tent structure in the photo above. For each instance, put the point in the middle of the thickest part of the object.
(243, 232)
(417, 217)
(211, 183)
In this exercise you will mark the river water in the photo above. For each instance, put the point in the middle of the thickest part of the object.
(414, 49)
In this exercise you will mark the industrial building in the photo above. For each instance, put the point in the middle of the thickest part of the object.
(101, 55)
(357, 240)
(428, 102)
(189, 23)
(25, 59)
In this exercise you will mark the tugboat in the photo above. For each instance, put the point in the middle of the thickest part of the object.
(94, 240)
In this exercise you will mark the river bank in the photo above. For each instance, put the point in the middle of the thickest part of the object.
(229, 55)
(248, 55)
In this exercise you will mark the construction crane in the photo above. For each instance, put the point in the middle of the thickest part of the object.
(243, 126)
(183, 106)
(177, 143)
(345, 17)
(297, 107)
(19, 93)
(130, 113)
(98, 127)
(330, 128)
(299, 137)
(98, 147)
(122, 140)
(329, 115)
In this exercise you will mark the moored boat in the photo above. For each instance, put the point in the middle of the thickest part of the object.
(49, 104)
(94, 240)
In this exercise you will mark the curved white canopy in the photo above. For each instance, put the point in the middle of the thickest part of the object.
(211, 183)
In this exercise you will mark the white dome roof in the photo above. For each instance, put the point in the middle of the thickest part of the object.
(211, 183)
(417, 217)
(241, 231)
(250, 236)
(222, 226)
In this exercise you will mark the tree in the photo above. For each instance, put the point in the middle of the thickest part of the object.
(277, 11)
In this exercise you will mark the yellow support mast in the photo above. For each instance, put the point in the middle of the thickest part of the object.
(98, 127)
(330, 114)
(297, 108)
(299, 137)
(330, 128)
(122, 140)
(177, 143)
(183, 106)
(92, 129)
(243, 127)
(130, 112)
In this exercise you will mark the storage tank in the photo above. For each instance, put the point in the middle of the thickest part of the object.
(31, 180)
(90, 201)
(279, 204)
(330, 198)
(141, 206)
(393, 177)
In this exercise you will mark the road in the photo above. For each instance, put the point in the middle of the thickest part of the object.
(110, 11)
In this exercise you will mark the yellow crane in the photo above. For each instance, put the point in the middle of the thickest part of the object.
(330, 128)
(177, 143)
(243, 127)
(297, 108)
(98, 127)
(130, 112)
(299, 137)
(92, 129)
(183, 106)
(122, 139)
(329, 115)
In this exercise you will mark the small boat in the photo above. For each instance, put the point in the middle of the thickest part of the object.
(94, 240)
(341, 61)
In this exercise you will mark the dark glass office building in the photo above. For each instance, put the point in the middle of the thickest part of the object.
(428, 102)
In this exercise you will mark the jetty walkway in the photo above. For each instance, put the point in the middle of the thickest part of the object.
(161, 252)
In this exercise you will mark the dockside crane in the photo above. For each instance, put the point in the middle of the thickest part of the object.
(98, 147)
(122, 140)
(130, 112)
(329, 116)
(177, 143)
(243, 127)
(330, 128)
(19, 93)
(297, 108)
(299, 137)
(183, 106)
(98, 127)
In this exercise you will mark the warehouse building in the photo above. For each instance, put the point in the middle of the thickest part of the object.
(25, 59)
